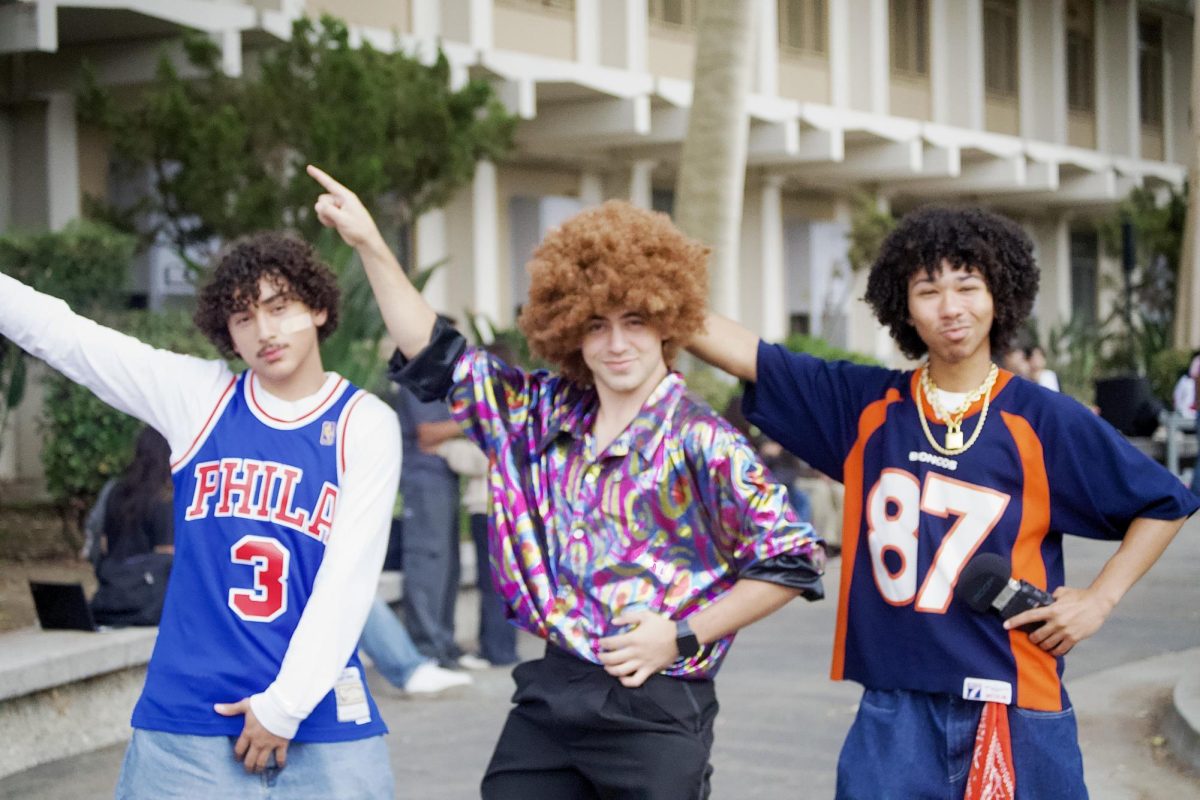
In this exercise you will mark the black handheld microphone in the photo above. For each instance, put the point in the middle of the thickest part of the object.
(987, 584)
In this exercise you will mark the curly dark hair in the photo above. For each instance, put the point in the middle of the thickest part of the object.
(613, 257)
(290, 263)
(961, 237)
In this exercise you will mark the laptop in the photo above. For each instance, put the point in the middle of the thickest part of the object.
(62, 606)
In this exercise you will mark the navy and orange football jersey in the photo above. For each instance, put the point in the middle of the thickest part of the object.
(1042, 466)
(255, 499)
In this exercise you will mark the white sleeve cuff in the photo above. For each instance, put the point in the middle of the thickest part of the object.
(273, 716)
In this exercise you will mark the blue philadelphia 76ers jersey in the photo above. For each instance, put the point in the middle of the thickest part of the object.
(255, 499)
(1042, 466)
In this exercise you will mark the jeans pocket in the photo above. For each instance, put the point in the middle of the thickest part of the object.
(1035, 716)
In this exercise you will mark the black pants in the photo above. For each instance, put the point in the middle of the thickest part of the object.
(576, 732)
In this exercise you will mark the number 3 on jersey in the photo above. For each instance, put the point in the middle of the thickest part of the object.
(270, 559)
(894, 508)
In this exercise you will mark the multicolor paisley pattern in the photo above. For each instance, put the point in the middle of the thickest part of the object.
(664, 519)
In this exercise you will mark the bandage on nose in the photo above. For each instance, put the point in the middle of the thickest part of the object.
(296, 323)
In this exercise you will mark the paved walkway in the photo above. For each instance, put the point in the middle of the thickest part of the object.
(782, 720)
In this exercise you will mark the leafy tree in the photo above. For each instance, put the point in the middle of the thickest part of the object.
(869, 226)
(225, 156)
(1141, 323)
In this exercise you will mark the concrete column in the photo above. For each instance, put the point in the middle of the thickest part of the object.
(485, 244)
(591, 189)
(766, 56)
(869, 60)
(1052, 247)
(623, 34)
(431, 247)
(840, 55)
(1118, 125)
(1042, 70)
(426, 18)
(640, 187)
(63, 202)
(587, 31)
(468, 21)
(956, 62)
(1177, 71)
(772, 268)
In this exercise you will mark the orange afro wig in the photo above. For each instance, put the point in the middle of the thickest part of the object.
(614, 257)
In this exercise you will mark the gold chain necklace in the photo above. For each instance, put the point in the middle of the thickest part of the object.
(954, 435)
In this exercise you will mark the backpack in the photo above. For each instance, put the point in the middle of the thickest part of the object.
(131, 590)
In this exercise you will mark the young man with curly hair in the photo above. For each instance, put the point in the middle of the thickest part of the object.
(942, 463)
(631, 527)
(284, 476)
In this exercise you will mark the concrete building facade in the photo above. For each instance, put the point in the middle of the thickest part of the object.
(1050, 111)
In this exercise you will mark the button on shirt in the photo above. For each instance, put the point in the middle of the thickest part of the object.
(664, 519)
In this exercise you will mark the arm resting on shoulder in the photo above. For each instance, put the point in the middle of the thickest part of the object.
(727, 345)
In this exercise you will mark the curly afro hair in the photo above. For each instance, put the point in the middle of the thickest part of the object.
(292, 266)
(615, 257)
(963, 238)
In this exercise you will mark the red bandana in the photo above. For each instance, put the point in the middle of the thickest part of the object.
(992, 776)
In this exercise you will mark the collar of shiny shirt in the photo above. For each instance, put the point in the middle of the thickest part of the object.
(643, 434)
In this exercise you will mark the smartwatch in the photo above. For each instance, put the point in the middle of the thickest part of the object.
(685, 639)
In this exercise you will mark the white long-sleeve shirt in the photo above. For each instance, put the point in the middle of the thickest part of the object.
(174, 394)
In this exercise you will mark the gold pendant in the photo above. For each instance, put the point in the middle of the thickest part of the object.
(954, 440)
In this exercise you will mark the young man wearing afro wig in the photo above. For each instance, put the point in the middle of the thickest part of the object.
(631, 528)
(948, 462)
(285, 476)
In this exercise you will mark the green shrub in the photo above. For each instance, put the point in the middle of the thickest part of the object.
(816, 346)
(86, 264)
(87, 441)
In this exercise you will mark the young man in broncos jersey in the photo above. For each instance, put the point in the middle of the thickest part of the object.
(942, 463)
(285, 476)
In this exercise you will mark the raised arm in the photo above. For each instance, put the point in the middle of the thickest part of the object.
(408, 317)
(727, 345)
(170, 392)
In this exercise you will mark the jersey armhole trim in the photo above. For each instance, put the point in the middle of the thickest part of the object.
(343, 426)
(209, 423)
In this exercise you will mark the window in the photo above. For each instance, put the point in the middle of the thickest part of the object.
(1150, 70)
(910, 36)
(1081, 54)
(802, 25)
(1085, 267)
(674, 13)
(1000, 47)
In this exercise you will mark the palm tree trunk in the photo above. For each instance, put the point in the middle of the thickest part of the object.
(708, 192)
(1187, 298)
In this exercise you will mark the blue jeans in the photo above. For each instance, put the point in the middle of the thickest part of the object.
(497, 639)
(908, 745)
(163, 766)
(386, 641)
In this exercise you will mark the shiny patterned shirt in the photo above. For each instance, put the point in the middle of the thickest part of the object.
(664, 519)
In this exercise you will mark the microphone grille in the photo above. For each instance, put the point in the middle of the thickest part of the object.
(981, 580)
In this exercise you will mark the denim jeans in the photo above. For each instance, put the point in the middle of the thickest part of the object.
(497, 639)
(164, 766)
(386, 641)
(908, 745)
